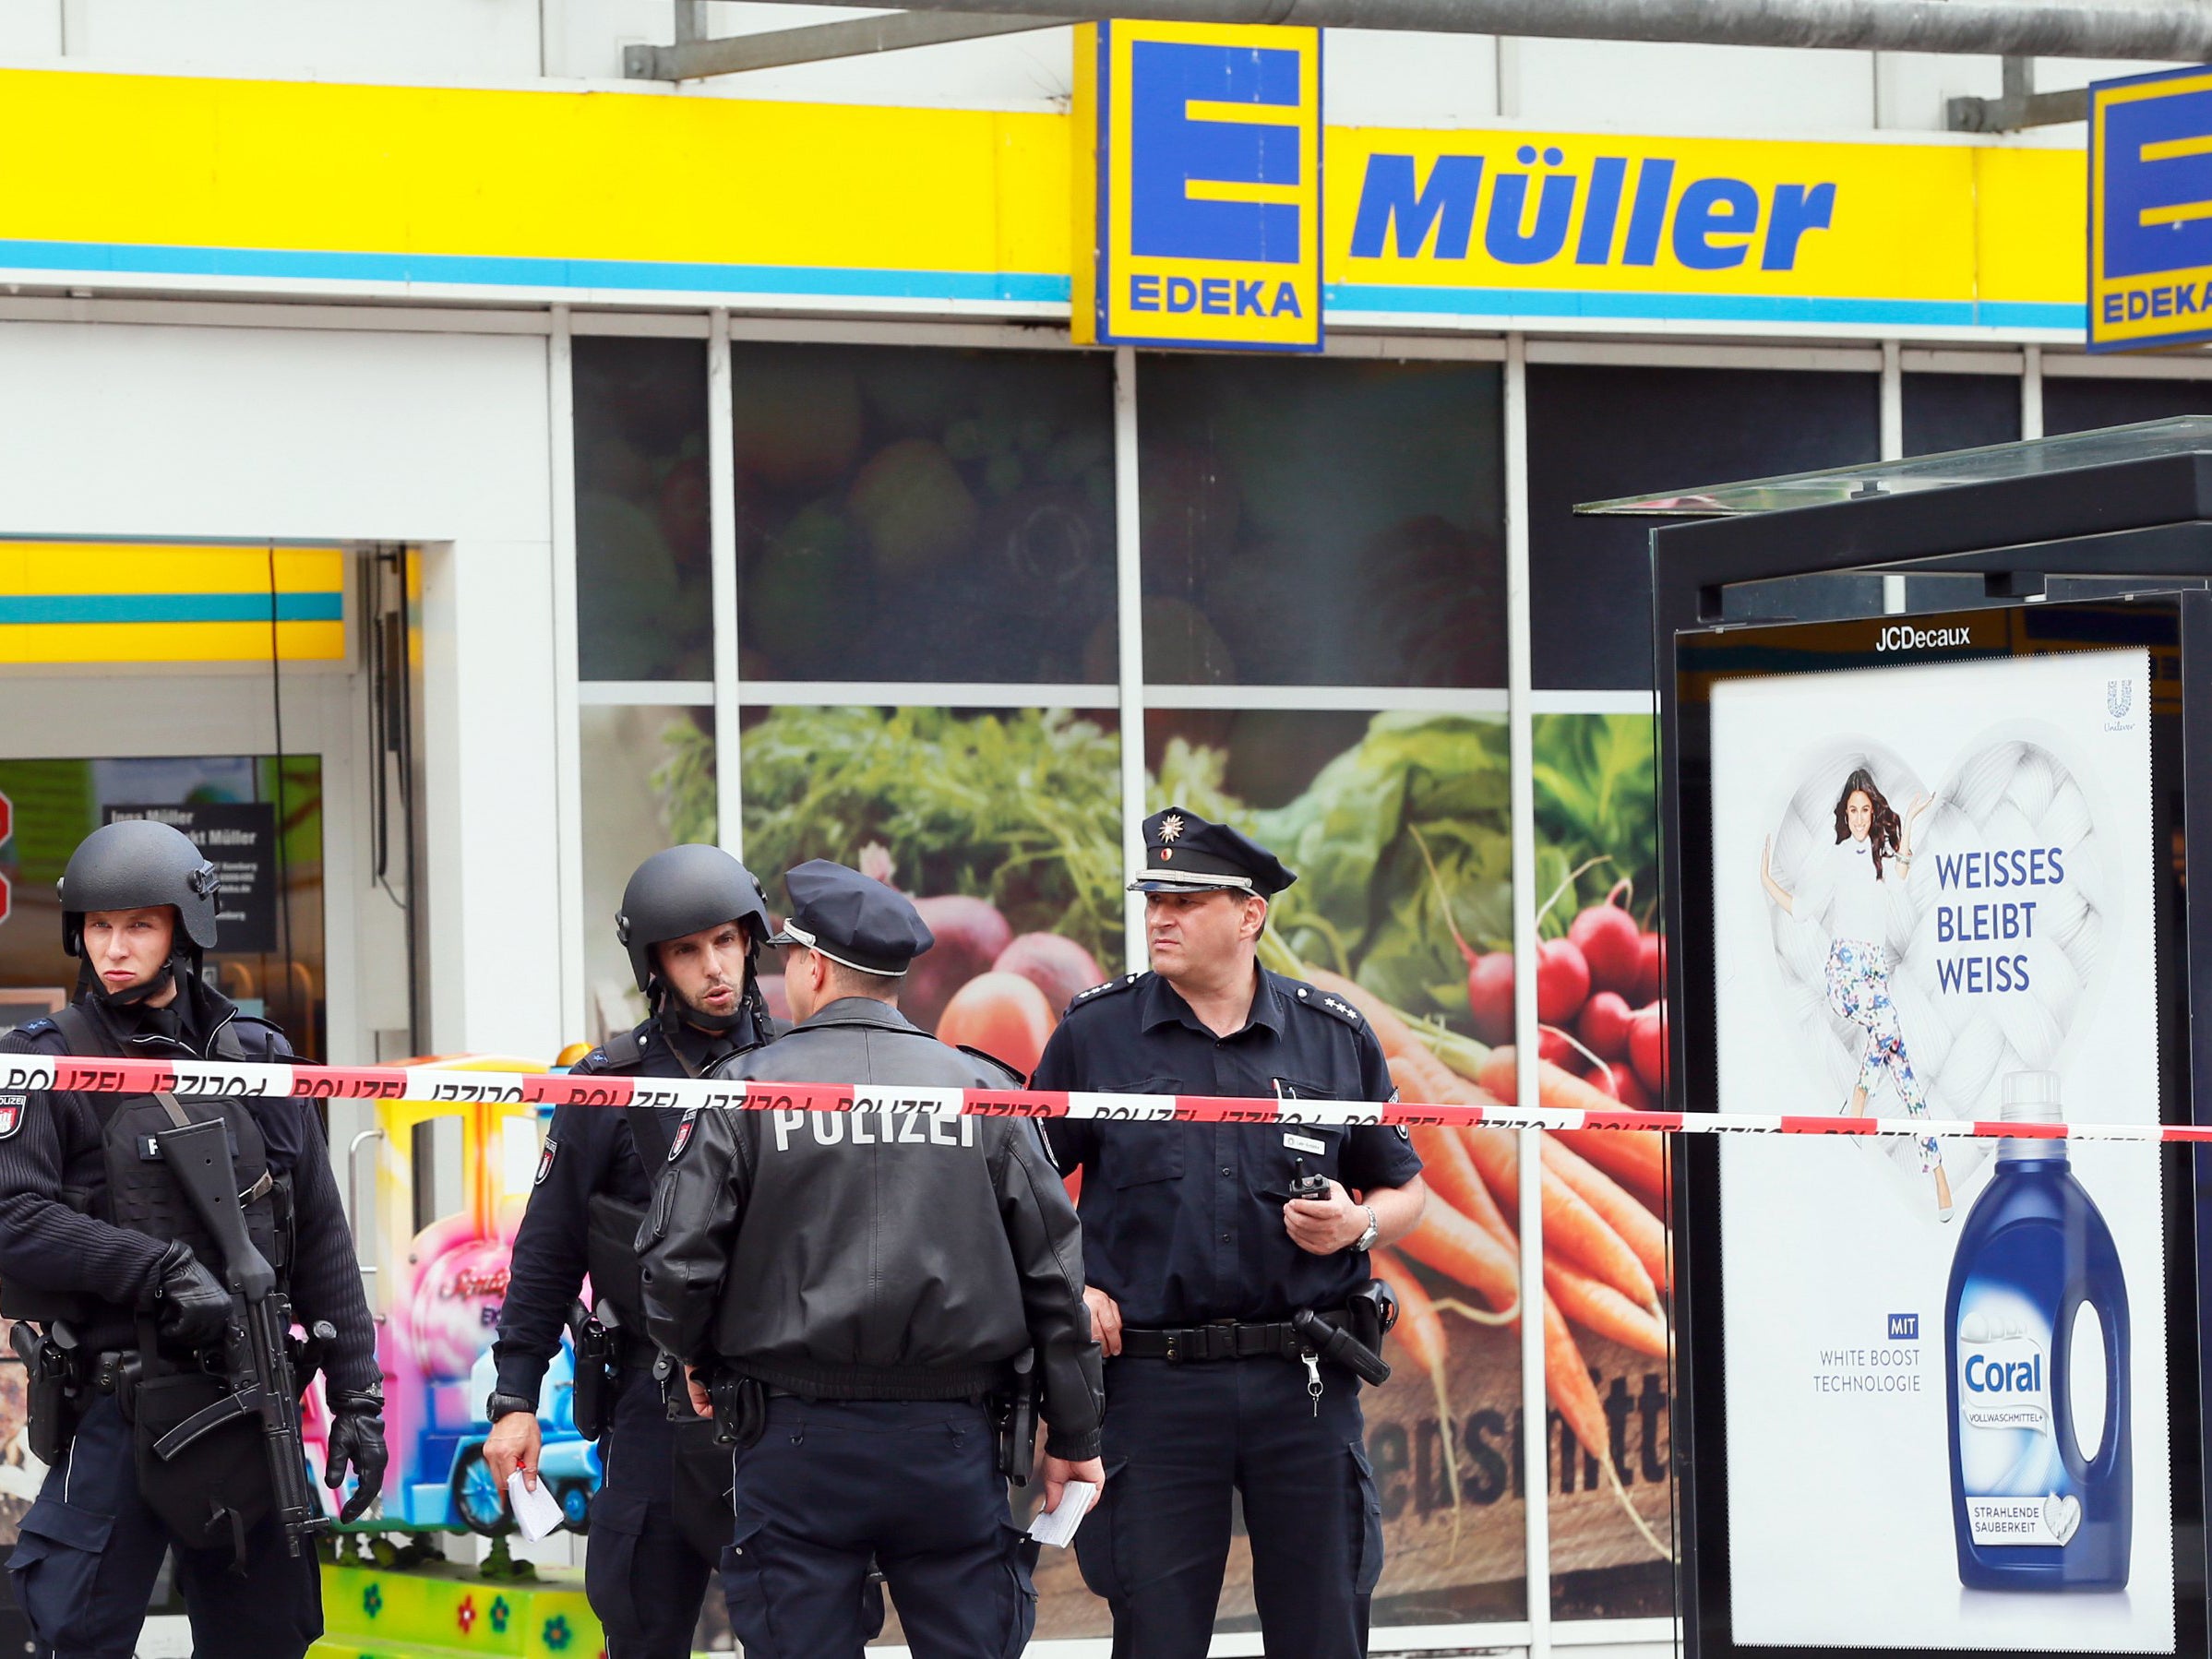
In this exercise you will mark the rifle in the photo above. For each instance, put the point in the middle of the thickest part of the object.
(256, 1353)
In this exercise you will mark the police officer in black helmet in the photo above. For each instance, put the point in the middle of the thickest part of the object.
(98, 1249)
(693, 921)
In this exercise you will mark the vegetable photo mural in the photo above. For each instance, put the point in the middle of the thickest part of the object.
(1005, 827)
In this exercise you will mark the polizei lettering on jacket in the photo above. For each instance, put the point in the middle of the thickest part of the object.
(887, 1127)
(1599, 212)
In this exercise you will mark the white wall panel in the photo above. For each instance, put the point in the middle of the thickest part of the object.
(1912, 89)
(150, 431)
(1717, 90)
(493, 859)
(130, 430)
(1373, 79)
(435, 41)
(29, 29)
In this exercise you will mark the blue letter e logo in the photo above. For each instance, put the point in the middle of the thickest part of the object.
(1173, 158)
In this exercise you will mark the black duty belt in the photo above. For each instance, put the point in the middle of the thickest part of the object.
(1223, 1339)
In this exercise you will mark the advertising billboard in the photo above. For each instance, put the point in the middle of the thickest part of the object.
(1935, 870)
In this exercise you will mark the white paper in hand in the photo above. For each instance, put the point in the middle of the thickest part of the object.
(537, 1512)
(1056, 1526)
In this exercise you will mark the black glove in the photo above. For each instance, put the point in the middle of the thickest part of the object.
(192, 1304)
(357, 1437)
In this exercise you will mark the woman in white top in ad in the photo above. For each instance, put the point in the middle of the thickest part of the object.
(1848, 887)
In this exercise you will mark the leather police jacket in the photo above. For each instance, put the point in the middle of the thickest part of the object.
(872, 1255)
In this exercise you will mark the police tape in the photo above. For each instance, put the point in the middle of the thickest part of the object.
(22, 1074)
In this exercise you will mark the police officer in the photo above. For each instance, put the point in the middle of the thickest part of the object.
(100, 1247)
(851, 1289)
(1198, 1256)
(693, 920)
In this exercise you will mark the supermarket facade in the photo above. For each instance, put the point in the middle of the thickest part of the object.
(491, 485)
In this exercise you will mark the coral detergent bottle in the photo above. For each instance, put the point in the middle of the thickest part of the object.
(2041, 1498)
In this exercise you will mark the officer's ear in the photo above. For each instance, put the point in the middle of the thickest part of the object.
(1255, 917)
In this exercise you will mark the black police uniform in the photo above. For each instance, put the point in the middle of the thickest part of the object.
(90, 1545)
(655, 1534)
(1183, 1227)
(660, 1517)
(872, 1277)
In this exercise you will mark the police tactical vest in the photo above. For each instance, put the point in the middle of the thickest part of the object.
(140, 1194)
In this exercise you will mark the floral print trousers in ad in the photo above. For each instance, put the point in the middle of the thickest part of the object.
(1858, 990)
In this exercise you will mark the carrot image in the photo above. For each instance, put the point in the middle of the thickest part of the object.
(1640, 1230)
(1450, 1172)
(1599, 1307)
(1421, 1332)
(1571, 1228)
(1636, 1156)
(1463, 1252)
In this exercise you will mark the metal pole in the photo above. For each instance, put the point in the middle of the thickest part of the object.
(567, 720)
(1893, 448)
(1128, 604)
(858, 36)
(1520, 724)
(1981, 28)
(722, 566)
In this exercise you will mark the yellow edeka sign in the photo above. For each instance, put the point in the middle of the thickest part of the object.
(1197, 187)
(2150, 210)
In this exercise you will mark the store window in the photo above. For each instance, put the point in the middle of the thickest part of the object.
(256, 818)
(648, 773)
(1397, 825)
(2080, 404)
(1960, 412)
(1599, 430)
(912, 514)
(1002, 825)
(644, 605)
(1322, 522)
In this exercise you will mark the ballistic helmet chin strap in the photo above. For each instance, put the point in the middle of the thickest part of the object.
(131, 996)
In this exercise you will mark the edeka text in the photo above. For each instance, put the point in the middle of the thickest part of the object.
(2158, 301)
(1531, 218)
(1213, 296)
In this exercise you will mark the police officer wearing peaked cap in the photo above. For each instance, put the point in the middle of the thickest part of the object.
(693, 920)
(854, 1287)
(1199, 1256)
(124, 1271)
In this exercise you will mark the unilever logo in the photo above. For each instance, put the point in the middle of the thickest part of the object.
(2118, 694)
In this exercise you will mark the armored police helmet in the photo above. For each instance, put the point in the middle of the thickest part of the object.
(685, 890)
(137, 864)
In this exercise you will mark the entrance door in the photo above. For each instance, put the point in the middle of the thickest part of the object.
(223, 689)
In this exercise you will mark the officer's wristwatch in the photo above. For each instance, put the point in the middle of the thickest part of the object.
(499, 1406)
(1367, 1240)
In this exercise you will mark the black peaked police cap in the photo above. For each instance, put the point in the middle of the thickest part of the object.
(1184, 853)
(853, 919)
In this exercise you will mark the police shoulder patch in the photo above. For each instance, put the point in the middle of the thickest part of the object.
(1312, 997)
(683, 1133)
(1122, 982)
(546, 1157)
(13, 1109)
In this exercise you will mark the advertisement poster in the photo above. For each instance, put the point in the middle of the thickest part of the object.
(1946, 1391)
